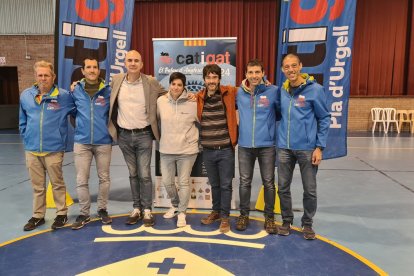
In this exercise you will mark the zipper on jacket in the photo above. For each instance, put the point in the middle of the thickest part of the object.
(288, 130)
(41, 127)
(254, 118)
(91, 101)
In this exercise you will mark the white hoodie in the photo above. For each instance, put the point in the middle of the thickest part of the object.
(178, 124)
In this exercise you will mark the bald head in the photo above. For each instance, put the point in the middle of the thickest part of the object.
(133, 63)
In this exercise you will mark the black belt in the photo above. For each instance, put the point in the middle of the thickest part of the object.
(217, 147)
(147, 128)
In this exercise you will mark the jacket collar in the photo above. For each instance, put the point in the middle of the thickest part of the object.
(223, 90)
(183, 97)
(53, 93)
(101, 83)
(308, 80)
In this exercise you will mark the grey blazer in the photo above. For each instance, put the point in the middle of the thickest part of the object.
(152, 90)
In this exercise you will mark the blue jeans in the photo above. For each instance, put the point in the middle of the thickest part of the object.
(220, 172)
(184, 163)
(83, 154)
(137, 150)
(287, 161)
(266, 157)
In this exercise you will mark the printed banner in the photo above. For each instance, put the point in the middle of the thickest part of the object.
(189, 56)
(321, 33)
(101, 29)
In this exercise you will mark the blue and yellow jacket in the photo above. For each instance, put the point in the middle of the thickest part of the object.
(44, 125)
(257, 113)
(92, 115)
(305, 117)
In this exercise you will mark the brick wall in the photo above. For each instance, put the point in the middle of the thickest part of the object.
(38, 47)
(359, 111)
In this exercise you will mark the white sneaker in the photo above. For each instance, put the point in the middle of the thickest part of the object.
(181, 220)
(135, 212)
(172, 212)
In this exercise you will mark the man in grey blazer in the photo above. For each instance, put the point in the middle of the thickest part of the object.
(133, 123)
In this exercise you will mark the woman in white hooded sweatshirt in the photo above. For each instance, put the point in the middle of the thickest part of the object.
(178, 144)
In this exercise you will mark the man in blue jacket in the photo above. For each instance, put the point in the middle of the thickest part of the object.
(92, 139)
(302, 136)
(256, 104)
(43, 124)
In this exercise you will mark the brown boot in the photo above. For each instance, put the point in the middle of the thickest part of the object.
(308, 232)
(211, 218)
(270, 225)
(224, 225)
(242, 223)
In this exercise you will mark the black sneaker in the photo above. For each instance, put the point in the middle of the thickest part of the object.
(80, 222)
(270, 225)
(308, 232)
(60, 221)
(242, 223)
(103, 214)
(284, 230)
(33, 223)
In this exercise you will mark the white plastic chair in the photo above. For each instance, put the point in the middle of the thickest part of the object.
(377, 116)
(411, 118)
(403, 117)
(390, 115)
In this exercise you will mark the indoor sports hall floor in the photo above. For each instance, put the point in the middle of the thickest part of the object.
(365, 202)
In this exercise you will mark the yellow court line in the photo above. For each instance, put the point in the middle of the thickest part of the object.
(24, 237)
(37, 233)
(355, 255)
(182, 239)
(229, 242)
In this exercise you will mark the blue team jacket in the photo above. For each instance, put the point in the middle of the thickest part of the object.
(257, 113)
(92, 115)
(305, 118)
(44, 126)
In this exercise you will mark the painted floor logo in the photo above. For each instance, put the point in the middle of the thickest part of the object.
(196, 249)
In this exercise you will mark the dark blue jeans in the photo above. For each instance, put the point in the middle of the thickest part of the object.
(247, 158)
(137, 150)
(220, 171)
(287, 161)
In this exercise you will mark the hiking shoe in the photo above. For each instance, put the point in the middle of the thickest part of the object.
(181, 220)
(33, 223)
(103, 214)
(224, 225)
(60, 221)
(80, 222)
(242, 223)
(270, 225)
(308, 232)
(284, 230)
(172, 212)
(134, 217)
(211, 218)
(148, 218)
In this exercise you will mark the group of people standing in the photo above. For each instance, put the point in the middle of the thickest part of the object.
(135, 109)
